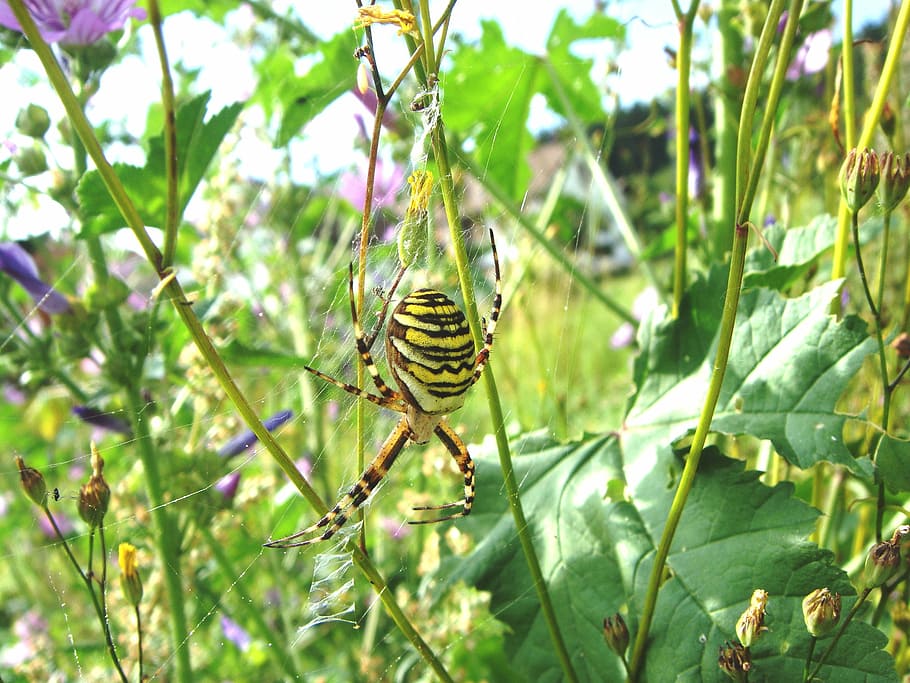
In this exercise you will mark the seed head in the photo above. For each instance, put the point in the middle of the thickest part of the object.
(821, 611)
(752, 622)
(616, 633)
(95, 494)
(895, 170)
(859, 177)
(735, 661)
(32, 482)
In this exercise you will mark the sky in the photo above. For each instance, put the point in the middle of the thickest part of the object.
(129, 88)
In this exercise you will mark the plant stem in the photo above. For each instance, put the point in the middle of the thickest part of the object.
(840, 631)
(812, 642)
(440, 152)
(747, 181)
(871, 118)
(685, 22)
(172, 205)
(183, 308)
(100, 610)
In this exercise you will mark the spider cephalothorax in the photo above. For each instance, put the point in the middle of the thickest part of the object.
(432, 357)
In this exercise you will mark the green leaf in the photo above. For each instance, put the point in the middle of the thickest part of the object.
(597, 507)
(790, 361)
(892, 457)
(495, 84)
(332, 74)
(197, 144)
(238, 353)
(596, 552)
(798, 250)
(573, 72)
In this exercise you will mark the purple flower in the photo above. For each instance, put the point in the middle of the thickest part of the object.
(74, 22)
(64, 524)
(242, 441)
(235, 633)
(389, 181)
(812, 55)
(16, 262)
(103, 420)
(227, 485)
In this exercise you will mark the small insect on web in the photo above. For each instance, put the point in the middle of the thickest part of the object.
(431, 355)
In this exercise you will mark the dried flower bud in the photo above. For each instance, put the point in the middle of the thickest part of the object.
(129, 574)
(887, 120)
(32, 482)
(902, 345)
(821, 611)
(412, 236)
(735, 661)
(858, 178)
(883, 559)
(95, 494)
(752, 622)
(616, 633)
(895, 180)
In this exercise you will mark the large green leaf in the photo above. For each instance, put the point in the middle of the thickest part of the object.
(597, 507)
(331, 74)
(495, 84)
(790, 362)
(596, 553)
(197, 143)
(574, 73)
(796, 251)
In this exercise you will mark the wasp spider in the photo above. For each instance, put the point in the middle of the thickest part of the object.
(432, 357)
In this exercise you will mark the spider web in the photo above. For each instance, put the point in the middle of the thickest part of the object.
(316, 593)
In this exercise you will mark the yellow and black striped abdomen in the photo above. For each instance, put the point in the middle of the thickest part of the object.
(430, 351)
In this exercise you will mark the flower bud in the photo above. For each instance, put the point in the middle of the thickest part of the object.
(412, 236)
(95, 494)
(735, 661)
(883, 560)
(752, 622)
(129, 574)
(895, 179)
(616, 633)
(33, 121)
(821, 611)
(32, 482)
(31, 161)
(901, 345)
(858, 178)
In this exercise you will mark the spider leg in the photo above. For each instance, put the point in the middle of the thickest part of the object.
(480, 362)
(362, 348)
(392, 402)
(335, 518)
(459, 451)
(386, 300)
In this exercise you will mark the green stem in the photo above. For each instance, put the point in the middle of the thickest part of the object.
(537, 233)
(812, 642)
(172, 204)
(683, 67)
(604, 184)
(870, 120)
(440, 152)
(251, 608)
(175, 294)
(746, 192)
(100, 611)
